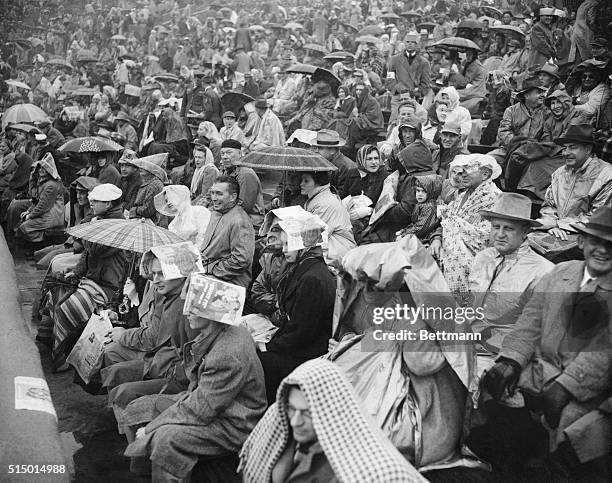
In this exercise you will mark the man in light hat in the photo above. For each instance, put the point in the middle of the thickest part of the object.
(558, 357)
(450, 146)
(601, 51)
(526, 117)
(503, 276)
(124, 127)
(328, 144)
(409, 70)
(268, 130)
(548, 75)
(230, 129)
(56, 138)
(578, 188)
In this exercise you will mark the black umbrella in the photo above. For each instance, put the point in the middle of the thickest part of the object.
(234, 101)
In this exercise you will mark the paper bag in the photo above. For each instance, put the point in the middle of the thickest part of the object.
(86, 356)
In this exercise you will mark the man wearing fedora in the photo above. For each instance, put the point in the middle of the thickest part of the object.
(503, 276)
(526, 117)
(328, 144)
(124, 127)
(558, 357)
(203, 99)
(548, 75)
(579, 187)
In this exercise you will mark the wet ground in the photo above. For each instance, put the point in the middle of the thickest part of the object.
(86, 425)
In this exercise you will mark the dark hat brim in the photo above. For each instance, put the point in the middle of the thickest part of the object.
(341, 143)
(486, 214)
(522, 92)
(580, 228)
(573, 139)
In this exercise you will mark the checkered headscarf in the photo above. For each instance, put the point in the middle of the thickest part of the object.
(356, 450)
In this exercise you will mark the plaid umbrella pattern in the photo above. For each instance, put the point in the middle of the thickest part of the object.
(286, 159)
(91, 144)
(136, 235)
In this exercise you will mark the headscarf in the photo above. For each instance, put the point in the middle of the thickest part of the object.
(452, 94)
(362, 154)
(432, 184)
(199, 172)
(210, 130)
(563, 97)
(416, 158)
(355, 449)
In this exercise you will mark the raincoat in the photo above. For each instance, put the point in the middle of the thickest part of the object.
(424, 217)
(554, 126)
(456, 113)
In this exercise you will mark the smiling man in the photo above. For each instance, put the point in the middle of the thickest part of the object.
(559, 357)
(503, 276)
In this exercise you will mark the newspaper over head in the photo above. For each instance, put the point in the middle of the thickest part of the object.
(213, 299)
(303, 229)
(177, 260)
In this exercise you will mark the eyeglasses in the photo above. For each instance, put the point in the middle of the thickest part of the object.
(588, 77)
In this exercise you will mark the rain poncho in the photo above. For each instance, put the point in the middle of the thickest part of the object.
(456, 113)
(354, 448)
(190, 222)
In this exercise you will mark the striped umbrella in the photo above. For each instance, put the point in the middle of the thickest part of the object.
(135, 235)
(286, 159)
(90, 144)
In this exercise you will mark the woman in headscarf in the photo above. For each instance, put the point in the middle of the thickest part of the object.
(209, 132)
(346, 103)
(203, 175)
(303, 327)
(47, 207)
(456, 113)
(436, 117)
(464, 232)
(316, 430)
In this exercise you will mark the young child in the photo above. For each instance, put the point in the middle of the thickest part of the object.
(424, 217)
(230, 129)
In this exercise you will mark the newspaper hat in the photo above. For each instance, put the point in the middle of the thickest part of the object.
(213, 299)
(177, 260)
(303, 232)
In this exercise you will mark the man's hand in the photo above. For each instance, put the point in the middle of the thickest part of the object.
(434, 248)
(502, 377)
(114, 335)
(275, 203)
(559, 233)
(332, 344)
(554, 399)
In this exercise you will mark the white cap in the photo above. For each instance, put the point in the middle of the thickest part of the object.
(40, 137)
(105, 192)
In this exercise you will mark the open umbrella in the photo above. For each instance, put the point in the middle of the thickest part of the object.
(118, 37)
(18, 84)
(369, 39)
(491, 11)
(135, 235)
(508, 30)
(316, 48)
(429, 26)
(294, 26)
(165, 77)
(60, 62)
(457, 43)
(411, 14)
(390, 16)
(286, 159)
(302, 69)
(470, 24)
(234, 101)
(338, 56)
(371, 30)
(23, 113)
(90, 144)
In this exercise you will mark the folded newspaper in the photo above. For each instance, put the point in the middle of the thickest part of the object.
(86, 356)
(259, 326)
(213, 299)
(387, 199)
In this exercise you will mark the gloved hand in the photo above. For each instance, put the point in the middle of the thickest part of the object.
(504, 375)
(554, 399)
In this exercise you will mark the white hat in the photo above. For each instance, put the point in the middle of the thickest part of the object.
(547, 11)
(105, 192)
(40, 137)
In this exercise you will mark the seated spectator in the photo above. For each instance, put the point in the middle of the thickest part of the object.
(591, 93)
(500, 93)
(563, 112)
(100, 273)
(450, 146)
(303, 327)
(436, 117)
(229, 240)
(56, 138)
(369, 120)
(47, 207)
(203, 175)
(456, 114)
(316, 110)
(464, 231)
(268, 130)
(124, 127)
(414, 159)
(503, 276)
(214, 416)
(549, 78)
(327, 206)
(17, 190)
(188, 222)
(131, 181)
(153, 180)
(251, 193)
(406, 114)
(316, 430)
(345, 105)
(230, 129)
(425, 219)
(578, 188)
(328, 144)
(101, 167)
(557, 359)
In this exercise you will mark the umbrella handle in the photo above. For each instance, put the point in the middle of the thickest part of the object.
(284, 187)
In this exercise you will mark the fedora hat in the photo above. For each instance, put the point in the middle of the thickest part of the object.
(577, 133)
(511, 206)
(599, 224)
(550, 69)
(529, 84)
(261, 103)
(327, 138)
